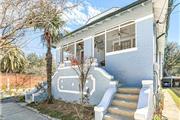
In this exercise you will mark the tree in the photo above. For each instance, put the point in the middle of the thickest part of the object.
(171, 57)
(36, 65)
(12, 21)
(82, 68)
(46, 16)
(13, 61)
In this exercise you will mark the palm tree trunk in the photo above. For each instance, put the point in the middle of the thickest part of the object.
(48, 64)
(49, 73)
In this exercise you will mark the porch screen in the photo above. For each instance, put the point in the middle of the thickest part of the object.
(68, 52)
(121, 38)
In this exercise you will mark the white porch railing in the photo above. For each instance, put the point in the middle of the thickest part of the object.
(101, 109)
(145, 107)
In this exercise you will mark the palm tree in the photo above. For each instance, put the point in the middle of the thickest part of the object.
(46, 16)
(13, 61)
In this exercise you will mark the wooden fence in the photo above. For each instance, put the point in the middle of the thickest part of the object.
(13, 81)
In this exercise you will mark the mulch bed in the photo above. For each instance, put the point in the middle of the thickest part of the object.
(65, 111)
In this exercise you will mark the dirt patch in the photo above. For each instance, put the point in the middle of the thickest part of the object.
(65, 111)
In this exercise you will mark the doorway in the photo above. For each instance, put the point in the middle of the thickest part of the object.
(99, 49)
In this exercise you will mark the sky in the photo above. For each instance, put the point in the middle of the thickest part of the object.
(81, 14)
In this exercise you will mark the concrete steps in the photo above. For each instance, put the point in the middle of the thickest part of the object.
(129, 90)
(121, 111)
(127, 96)
(123, 105)
(115, 117)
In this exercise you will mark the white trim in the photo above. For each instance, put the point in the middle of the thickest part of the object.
(144, 18)
(98, 34)
(104, 73)
(136, 36)
(87, 38)
(125, 25)
(67, 44)
(78, 41)
(113, 28)
(75, 49)
(122, 51)
(93, 47)
(105, 45)
(76, 92)
(65, 77)
(106, 100)
(91, 38)
(118, 26)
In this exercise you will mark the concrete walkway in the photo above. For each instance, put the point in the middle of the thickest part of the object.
(170, 109)
(10, 110)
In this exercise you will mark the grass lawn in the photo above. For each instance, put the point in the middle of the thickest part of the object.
(64, 111)
(175, 92)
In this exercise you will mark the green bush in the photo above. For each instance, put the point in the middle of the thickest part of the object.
(21, 98)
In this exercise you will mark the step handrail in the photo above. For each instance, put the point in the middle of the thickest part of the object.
(145, 109)
(101, 109)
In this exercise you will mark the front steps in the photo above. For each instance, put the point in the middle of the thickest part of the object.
(123, 105)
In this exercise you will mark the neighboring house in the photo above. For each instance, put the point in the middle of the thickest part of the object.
(128, 46)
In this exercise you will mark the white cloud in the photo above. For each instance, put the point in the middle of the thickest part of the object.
(79, 15)
(92, 11)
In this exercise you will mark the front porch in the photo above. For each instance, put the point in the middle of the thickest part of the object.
(111, 41)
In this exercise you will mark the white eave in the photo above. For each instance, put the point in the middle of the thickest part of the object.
(102, 14)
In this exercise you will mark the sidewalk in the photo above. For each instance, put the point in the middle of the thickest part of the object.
(10, 110)
(170, 109)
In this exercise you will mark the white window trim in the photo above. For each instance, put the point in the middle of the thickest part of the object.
(118, 26)
(122, 51)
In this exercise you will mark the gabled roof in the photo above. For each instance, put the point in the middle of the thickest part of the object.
(102, 14)
(108, 15)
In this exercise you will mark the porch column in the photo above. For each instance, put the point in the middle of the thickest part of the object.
(88, 47)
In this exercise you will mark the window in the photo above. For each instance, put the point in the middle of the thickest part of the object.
(68, 52)
(121, 38)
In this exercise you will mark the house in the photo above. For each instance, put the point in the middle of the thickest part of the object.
(128, 47)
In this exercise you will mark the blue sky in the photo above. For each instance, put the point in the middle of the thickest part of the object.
(93, 7)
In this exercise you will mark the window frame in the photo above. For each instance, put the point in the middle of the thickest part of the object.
(131, 22)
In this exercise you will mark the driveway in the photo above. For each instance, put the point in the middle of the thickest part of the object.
(10, 110)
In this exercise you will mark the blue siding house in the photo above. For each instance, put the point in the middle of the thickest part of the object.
(127, 45)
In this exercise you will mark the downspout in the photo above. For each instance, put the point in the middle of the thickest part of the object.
(166, 21)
